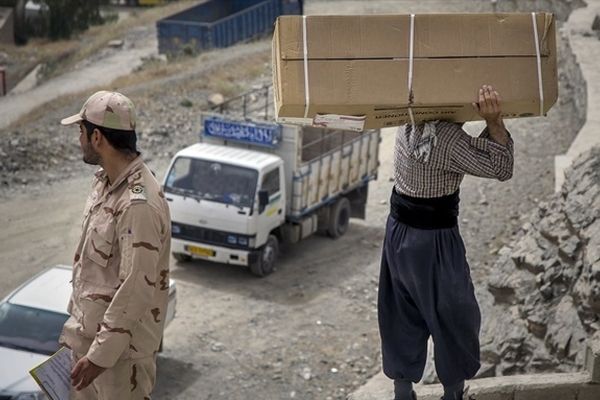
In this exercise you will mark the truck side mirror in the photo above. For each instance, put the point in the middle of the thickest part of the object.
(263, 200)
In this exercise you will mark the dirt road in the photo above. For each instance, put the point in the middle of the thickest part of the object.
(41, 227)
(98, 70)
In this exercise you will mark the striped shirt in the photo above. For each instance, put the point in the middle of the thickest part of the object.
(433, 161)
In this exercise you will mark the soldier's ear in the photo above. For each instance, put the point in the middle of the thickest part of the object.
(96, 137)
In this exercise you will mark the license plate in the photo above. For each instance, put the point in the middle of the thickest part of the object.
(200, 251)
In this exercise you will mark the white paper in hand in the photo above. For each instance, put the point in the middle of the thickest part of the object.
(54, 375)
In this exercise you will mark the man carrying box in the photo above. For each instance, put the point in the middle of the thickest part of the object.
(425, 286)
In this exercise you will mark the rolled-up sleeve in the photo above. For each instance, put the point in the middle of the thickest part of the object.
(140, 240)
(481, 156)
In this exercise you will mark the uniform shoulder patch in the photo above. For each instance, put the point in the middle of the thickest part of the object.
(137, 192)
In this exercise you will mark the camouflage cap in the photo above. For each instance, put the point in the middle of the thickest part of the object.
(107, 109)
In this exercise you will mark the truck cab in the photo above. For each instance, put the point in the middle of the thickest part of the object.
(225, 202)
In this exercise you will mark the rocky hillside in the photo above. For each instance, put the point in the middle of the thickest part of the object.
(548, 279)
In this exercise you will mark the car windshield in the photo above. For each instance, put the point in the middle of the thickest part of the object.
(214, 181)
(30, 329)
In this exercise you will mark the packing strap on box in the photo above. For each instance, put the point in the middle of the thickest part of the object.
(539, 62)
(410, 67)
(306, 92)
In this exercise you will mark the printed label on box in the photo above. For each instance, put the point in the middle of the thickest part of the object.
(345, 122)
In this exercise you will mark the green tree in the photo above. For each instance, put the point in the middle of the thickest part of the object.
(65, 17)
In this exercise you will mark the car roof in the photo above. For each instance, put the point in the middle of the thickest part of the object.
(49, 290)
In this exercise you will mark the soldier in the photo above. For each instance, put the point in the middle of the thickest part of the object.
(121, 266)
(425, 285)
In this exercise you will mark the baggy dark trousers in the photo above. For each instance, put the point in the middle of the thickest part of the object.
(425, 288)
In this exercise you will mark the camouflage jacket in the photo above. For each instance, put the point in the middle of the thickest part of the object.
(121, 269)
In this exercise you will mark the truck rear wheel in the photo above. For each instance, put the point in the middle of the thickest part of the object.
(266, 260)
(182, 257)
(339, 218)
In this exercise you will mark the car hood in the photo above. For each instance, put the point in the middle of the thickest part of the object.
(14, 370)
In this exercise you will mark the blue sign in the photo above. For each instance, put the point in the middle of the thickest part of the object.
(267, 135)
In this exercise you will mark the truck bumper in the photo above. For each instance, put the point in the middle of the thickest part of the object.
(213, 253)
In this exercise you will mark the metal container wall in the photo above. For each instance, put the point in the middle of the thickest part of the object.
(220, 23)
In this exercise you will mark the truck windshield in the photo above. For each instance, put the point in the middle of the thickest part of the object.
(214, 181)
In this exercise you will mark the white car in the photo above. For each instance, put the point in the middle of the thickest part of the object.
(31, 320)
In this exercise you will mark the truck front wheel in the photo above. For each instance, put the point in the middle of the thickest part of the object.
(339, 218)
(265, 264)
(182, 257)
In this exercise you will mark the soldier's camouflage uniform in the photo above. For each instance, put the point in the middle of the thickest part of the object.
(121, 284)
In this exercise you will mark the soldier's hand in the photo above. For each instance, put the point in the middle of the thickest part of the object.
(84, 373)
(488, 104)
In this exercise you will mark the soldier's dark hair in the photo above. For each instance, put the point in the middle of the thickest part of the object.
(124, 141)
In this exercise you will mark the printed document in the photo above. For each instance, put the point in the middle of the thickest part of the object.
(54, 375)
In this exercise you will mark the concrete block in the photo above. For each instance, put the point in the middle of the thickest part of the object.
(27, 83)
(592, 358)
(590, 391)
(378, 387)
(544, 393)
(493, 394)
(563, 386)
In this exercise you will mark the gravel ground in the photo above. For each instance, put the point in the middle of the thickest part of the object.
(309, 330)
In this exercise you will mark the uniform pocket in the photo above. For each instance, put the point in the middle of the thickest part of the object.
(92, 315)
(99, 244)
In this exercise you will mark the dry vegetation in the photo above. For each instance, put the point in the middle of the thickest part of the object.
(177, 73)
(229, 80)
(62, 55)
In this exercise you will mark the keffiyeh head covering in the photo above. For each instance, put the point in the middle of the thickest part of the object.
(420, 139)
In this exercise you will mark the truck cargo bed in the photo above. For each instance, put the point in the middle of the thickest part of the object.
(332, 162)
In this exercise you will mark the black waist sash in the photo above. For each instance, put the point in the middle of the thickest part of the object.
(425, 213)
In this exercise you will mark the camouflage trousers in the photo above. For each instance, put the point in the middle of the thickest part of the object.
(127, 380)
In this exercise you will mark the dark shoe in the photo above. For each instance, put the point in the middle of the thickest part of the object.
(413, 395)
(465, 395)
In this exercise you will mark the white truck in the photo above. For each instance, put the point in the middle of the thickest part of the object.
(250, 185)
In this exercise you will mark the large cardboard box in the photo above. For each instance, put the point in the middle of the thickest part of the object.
(366, 66)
